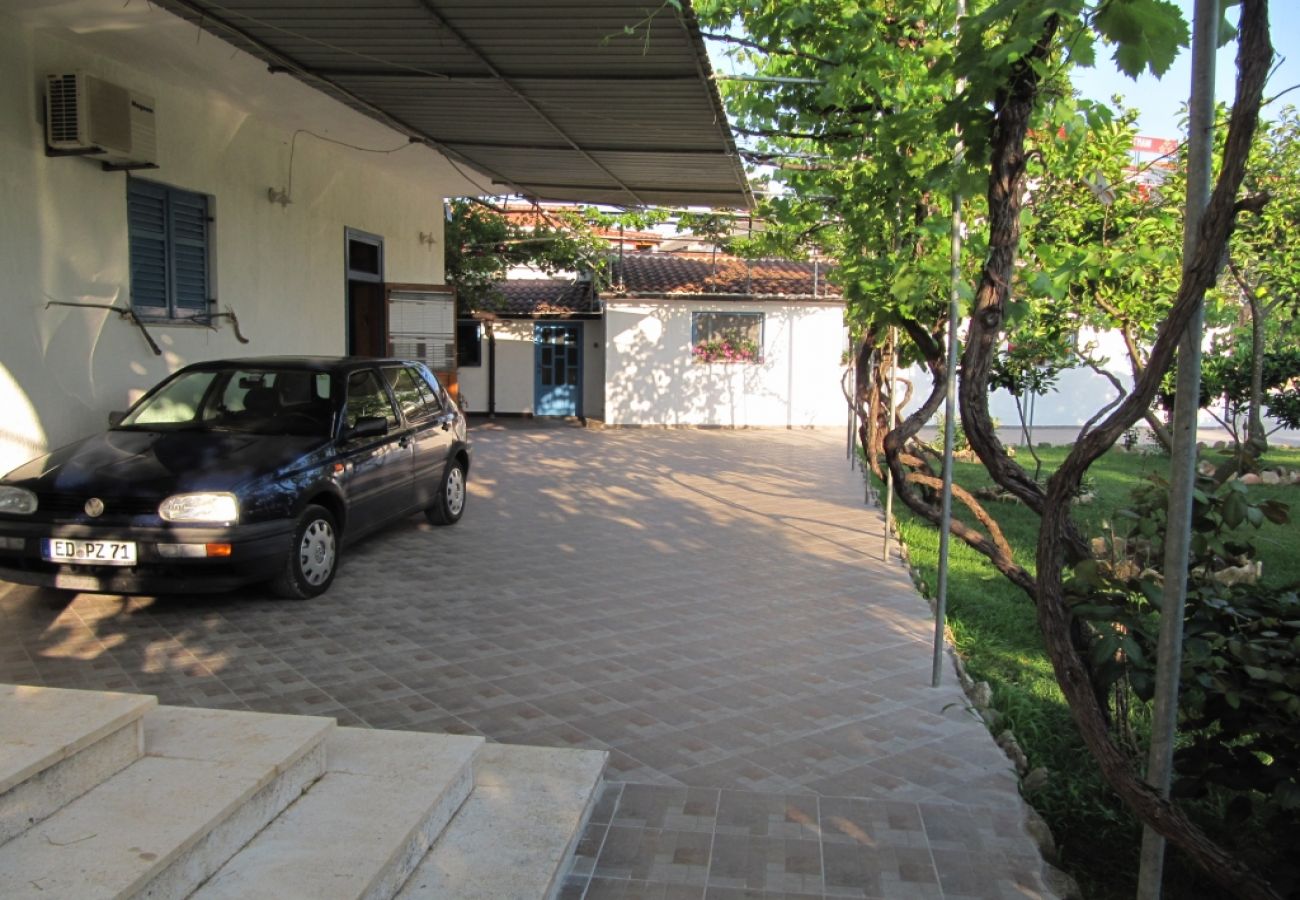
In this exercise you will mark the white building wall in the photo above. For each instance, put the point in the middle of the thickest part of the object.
(225, 128)
(1076, 397)
(651, 377)
(514, 366)
(514, 349)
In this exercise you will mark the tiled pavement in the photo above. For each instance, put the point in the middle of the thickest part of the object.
(709, 606)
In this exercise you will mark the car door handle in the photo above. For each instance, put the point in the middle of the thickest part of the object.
(405, 441)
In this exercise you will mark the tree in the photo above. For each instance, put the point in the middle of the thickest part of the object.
(1101, 242)
(1264, 265)
(484, 242)
(877, 97)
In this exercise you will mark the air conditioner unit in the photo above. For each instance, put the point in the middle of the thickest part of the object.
(87, 116)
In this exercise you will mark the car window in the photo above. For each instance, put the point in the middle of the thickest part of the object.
(367, 397)
(414, 403)
(429, 382)
(431, 399)
(177, 403)
(271, 401)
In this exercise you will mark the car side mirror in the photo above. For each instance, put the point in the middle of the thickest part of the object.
(367, 426)
(115, 417)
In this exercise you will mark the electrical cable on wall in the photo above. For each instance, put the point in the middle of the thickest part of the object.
(285, 197)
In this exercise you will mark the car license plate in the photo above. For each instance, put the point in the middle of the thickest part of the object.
(90, 553)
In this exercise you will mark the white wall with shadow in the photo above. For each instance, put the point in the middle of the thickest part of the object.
(653, 379)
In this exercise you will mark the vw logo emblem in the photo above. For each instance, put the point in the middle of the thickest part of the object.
(94, 507)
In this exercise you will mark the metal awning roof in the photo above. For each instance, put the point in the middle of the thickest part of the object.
(551, 99)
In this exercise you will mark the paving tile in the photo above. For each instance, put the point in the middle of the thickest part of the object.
(674, 809)
(622, 889)
(611, 793)
(769, 815)
(872, 823)
(708, 606)
(656, 855)
(766, 864)
(737, 774)
(867, 871)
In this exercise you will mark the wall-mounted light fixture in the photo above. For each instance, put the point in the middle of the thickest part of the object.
(280, 196)
(426, 237)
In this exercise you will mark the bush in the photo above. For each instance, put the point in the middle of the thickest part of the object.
(1239, 699)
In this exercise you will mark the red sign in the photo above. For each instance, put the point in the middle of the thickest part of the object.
(1162, 146)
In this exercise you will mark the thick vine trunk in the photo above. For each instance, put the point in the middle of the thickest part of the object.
(1055, 620)
(1015, 105)
(910, 470)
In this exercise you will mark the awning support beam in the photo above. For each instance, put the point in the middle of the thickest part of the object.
(524, 98)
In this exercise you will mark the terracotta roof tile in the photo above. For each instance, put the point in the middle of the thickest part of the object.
(538, 296)
(695, 275)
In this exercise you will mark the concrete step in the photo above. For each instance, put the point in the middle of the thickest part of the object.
(56, 744)
(209, 781)
(517, 830)
(360, 830)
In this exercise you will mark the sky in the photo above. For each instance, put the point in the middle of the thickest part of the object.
(1160, 100)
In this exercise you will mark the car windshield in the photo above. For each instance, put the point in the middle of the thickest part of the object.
(249, 401)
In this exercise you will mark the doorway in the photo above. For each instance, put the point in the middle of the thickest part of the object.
(557, 364)
(367, 321)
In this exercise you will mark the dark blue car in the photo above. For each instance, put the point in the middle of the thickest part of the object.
(238, 471)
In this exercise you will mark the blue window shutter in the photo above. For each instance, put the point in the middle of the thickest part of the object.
(168, 233)
(146, 213)
(188, 227)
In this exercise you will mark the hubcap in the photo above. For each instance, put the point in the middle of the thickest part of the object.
(316, 553)
(455, 491)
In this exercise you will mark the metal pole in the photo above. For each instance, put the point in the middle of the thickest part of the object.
(852, 415)
(949, 430)
(1033, 405)
(1182, 467)
(868, 450)
(949, 412)
(889, 473)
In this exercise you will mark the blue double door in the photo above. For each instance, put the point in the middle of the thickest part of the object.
(557, 366)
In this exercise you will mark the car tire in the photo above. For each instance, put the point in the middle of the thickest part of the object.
(313, 557)
(449, 503)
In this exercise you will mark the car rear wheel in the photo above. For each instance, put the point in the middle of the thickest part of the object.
(449, 504)
(314, 556)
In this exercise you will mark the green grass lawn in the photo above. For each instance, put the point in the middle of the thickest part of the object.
(994, 630)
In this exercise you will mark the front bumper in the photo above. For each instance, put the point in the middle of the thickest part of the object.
(258, 552)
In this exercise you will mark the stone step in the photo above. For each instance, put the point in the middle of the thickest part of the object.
(361, 829)
(209, 781)
(517, 830)
(56, 744)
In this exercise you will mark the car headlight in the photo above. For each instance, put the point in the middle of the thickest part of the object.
(16, 500)
(200, 508)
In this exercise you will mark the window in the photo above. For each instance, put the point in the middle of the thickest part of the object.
(365, 256)
(431, 387)
(469, 344)
(169, 232)
(176, 402)
(413, 396)
(727, 337)
(367, 397)
(422, 325)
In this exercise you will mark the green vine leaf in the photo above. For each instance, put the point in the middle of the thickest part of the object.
(1147, 33)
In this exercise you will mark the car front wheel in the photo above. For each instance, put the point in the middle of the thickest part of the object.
(449, 503)
(314, 556)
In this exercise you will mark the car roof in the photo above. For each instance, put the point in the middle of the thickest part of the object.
(310, 363)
